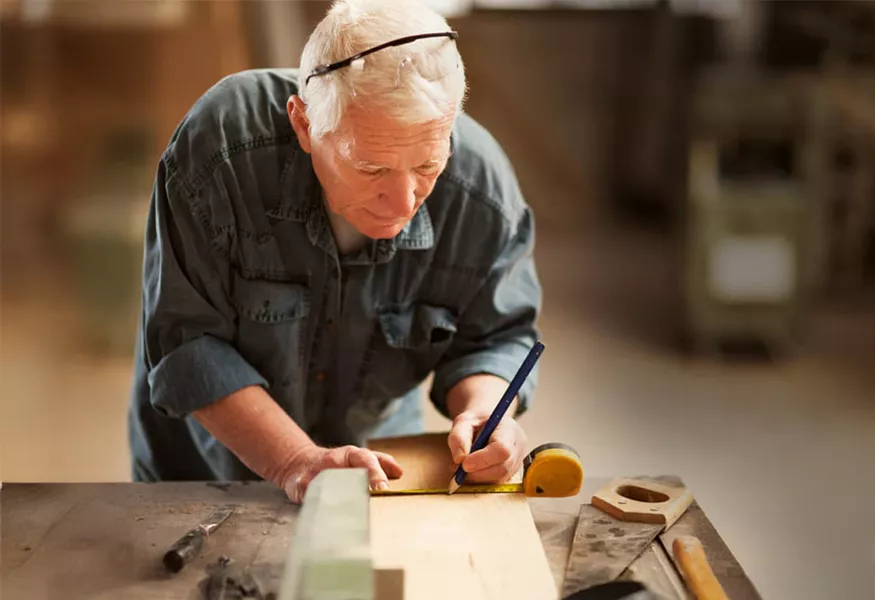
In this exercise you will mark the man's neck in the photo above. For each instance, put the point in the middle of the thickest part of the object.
(347, 238)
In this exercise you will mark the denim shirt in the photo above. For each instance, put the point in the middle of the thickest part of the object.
(243, 285)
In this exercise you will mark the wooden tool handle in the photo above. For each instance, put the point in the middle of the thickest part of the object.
(693, 563)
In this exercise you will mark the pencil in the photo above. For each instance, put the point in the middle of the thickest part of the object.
(501, 408)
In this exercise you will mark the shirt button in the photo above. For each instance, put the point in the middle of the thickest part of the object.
(320, 376)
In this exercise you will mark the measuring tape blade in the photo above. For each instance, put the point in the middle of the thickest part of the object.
(465, 489)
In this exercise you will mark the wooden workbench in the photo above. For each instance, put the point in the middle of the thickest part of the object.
(106, 540)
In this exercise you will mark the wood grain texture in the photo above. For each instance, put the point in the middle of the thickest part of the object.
(643, 500)
(425, 459)
(691, 559)
(332, 540)
(476, 546)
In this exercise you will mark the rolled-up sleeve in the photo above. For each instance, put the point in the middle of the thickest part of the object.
(188, 320)
(498, 329)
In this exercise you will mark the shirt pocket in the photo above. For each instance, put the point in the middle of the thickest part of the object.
(406, 345)
(272, 326)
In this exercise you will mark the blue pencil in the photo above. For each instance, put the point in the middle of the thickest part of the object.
(501, 408)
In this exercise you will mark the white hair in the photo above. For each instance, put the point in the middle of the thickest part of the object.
(413, 83)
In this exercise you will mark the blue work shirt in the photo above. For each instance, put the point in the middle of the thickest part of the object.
(243, 285)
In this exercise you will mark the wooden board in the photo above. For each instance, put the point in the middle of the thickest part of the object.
(425, 459)
(476, 546)
(643, 500)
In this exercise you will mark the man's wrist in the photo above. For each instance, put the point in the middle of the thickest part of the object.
(263, 436)
(295, 464)
(478, 394)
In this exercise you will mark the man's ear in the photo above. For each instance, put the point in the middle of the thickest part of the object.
(300, 123)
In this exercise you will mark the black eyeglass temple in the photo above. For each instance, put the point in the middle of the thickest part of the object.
(399, 42)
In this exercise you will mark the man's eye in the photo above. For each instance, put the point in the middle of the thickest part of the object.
(428, 169)
(371, 172)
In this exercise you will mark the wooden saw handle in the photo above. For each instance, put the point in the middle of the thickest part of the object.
(690, 556)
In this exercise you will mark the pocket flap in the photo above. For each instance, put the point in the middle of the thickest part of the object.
(417, 325)
(270, 301)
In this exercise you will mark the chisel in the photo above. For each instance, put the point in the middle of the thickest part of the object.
(189, 546)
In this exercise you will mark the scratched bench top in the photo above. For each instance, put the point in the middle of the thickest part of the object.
(106, 540)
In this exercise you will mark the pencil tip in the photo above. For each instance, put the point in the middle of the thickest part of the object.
(453, 485)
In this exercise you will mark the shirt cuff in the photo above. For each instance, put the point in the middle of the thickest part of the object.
(197, 374)
(502, 361)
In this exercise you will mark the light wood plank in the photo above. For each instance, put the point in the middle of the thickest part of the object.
(425, 459)
(479, 546)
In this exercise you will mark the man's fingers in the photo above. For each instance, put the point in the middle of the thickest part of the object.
(380, 466)
(460, 439)
(366, 459)
(496, 453)
(390, 466)
(495, 474)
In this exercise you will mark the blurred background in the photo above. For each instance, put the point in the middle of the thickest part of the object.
(703, 175)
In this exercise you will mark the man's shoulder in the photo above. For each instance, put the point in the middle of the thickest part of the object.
(481, 168)
(241, 112)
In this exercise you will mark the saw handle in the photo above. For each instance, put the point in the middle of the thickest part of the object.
(690, 556)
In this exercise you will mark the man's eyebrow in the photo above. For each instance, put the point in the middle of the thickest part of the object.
(366, 164)
(441, 159)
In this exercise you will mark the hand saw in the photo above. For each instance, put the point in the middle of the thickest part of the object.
(625, 532)
(549, 471)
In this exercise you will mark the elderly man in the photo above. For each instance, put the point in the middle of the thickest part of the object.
(320, 241)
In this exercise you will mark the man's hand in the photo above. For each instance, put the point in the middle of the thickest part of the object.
(499, 460)
(471, 402)
(310, 461)
(271, 444)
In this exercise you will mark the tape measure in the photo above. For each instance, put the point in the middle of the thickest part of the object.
(549, 471)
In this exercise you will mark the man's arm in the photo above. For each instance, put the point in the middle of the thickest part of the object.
(194, 368)
(271, 444)
(250, 424)
(497, 329)
(479, 393)
(495, 334)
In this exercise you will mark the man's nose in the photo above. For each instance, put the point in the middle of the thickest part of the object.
(399, 195)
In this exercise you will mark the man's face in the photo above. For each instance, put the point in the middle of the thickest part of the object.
(376, 173)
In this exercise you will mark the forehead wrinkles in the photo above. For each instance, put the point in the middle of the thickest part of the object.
(374, 144)
(365, 130)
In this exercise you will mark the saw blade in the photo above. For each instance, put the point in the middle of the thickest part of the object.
(603, 547)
